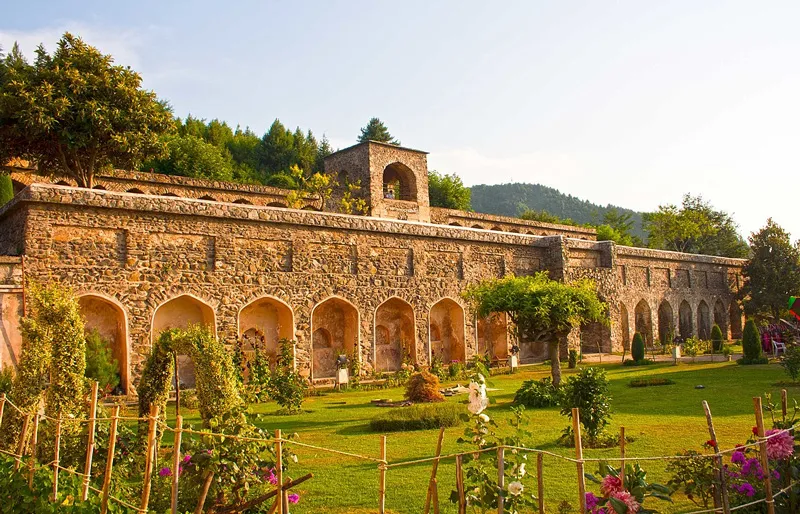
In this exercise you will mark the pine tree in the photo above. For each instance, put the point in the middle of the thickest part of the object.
(377, 131)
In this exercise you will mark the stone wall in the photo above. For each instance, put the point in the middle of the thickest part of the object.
(479, 220)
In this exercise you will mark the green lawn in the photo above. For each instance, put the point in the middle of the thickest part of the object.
(663, 420)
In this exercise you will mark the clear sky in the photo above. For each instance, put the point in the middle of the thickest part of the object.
(632, 103)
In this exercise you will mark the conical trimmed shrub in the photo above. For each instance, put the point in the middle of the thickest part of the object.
(751, 344)
(637, 347)
(716, 338)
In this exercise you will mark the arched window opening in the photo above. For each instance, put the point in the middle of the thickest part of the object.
(703, 321)
(721, 318)
(455, 224)
(242, 201)
(100, 187)
(685, 320)
(625, 327)
(135, 191)
(262, 324)
(446, 329)
(395, 335)
(105, 319)
(277, 204)
(666, 323)
(477, 226)
(735, 314)
(644, 322)
(399, 183)
(496, 229)
(208, 198)
(595, 338)
(63, 183)
(334, 325)
(169, 193)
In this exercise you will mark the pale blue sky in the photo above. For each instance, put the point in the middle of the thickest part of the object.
(632, 103)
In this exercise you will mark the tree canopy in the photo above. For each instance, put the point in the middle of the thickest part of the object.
(543, 310)
(75, 113)
(695, 227)
(448, 191)
(772, 274)
(376, 131)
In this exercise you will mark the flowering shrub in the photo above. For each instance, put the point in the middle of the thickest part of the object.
(623, 500)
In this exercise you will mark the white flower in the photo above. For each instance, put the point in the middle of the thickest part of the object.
(484, 418)
(478, 401)
(521, 470)
(515, 488)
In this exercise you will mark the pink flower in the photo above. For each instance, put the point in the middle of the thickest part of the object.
(293, 498)
(165, 472)
(187, 458)
(779, 446)
(628, 499)
(610, 485)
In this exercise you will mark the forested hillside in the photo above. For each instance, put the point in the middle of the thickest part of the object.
(513, 199)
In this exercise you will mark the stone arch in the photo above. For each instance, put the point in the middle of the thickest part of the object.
(496, 229)
(735, 315)
(477, 226)
(334, 330)
(183, 311)
(135, 190)
(277, 204)
(625, 326)
(101, 187)
(243, 201)
(399, 182)
(666, 322)
(455, 224)
(643, 321)
(721, 317)
(446, 331)
(170, 193)
(685, 320)
(395, 334)
(703, 321)
(514, 231)
(492, 333)
(262, 323)
(107, 315)
(208, 198)
(63, 183)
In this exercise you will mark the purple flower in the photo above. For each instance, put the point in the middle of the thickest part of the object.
(294, 498)
(746, 489)
(737, 458)
(187, 458)
(591, 501)
(165, 472)
(775, 474)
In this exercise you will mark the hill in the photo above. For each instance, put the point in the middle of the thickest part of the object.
(512, 199)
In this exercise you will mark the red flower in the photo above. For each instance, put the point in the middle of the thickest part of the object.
(711, 443)
(755, 430)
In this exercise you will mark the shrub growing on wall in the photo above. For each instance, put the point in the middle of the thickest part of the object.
(637, 347)
(716, 338)
(751, 345)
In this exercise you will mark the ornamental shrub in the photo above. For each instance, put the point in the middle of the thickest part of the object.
(790, 361)
(637, 347)
(6, 189)
(716, 338)
(537, 394)
(572, 361)
(100, 363)
(286, 386)
(751, 345)
(418, 417)
(423, 387)
(588, 391)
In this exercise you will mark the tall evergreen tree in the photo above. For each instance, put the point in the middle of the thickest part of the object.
(323, 150)
(377, 131)
(277, 149)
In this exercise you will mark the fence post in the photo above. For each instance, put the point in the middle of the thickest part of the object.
(176, 462)
(21, 445)
(112, 446)
(87, 469)
(721, 496)
(501, 478)
(762, 450)
(622, 455)
(56, 458)
(540, 480)
(149, 458)
(462, 501)
(576, 429)
(279, 469)
(2, 407)
(382, 478)
(784, 402)
(432, 487)
(34, 440)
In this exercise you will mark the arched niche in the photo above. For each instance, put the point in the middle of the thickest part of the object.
(334, 331)
(243, 201)
(735, 313)
(395, 334)
(477, 226)
(493, 336)
(100, 187)
(262, 324)
(644, 322)
(625, 326)
(181, 312)
(446, 331)
(455, 224)
(135, 190)
(208, 198)
(109, 319)
(703, 321)
(399, 182)
(277, 204)
(685, 320)
(170, 193)
(721, 318)
(666, 322)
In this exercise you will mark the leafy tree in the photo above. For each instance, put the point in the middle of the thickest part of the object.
(277, 149)
(543, 310)
(618, 226)
(609, 233)
(448, 191)
(75, 113)
(315, 185)
(695, 227)
(773, 272)
(6, 189)
(545, 217)
(376, 131)
(191, 156)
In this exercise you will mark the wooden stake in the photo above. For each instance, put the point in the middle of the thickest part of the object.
(540, 480)
(462, 500)
(784, 404)
(382, 478)
(721, 495)
(432, 488)
(177, 385)
(87, 469)
(622, 455)
(21, 446)
(501, 478)
(34, 440)
(176, 462)
(762, 450)
(149, 458)
(2, 407)
(204, 493)
(112, 446)
(576, 429)
(279, 469)
(56, 458)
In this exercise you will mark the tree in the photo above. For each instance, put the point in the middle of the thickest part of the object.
(772, 274)
(545, 217)
(6, 189)
(543, 310)
(618, 226)
(695, 227)
(315, 185)
(448, 191)
(75, 113)
(377, 131)
(191, 156)
(609, 233)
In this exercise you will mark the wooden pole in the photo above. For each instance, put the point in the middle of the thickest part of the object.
(87, 468)
(279, 468)
(540, 480)
(721, 495)
(462, 500)
(2, 407)
(204, 492)
(762, 450)
(784, 404)
(56, 458)
(149, 458)
(21, 446)
(382, 478)
(432, 488)
(501, 478)
(176, 462)
(112, 446)
(34, 440)
(576, 429)
(622, 455)
(177, 385)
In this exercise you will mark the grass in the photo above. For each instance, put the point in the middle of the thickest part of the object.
(653, 381)
(661, 420)
(418, 417)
